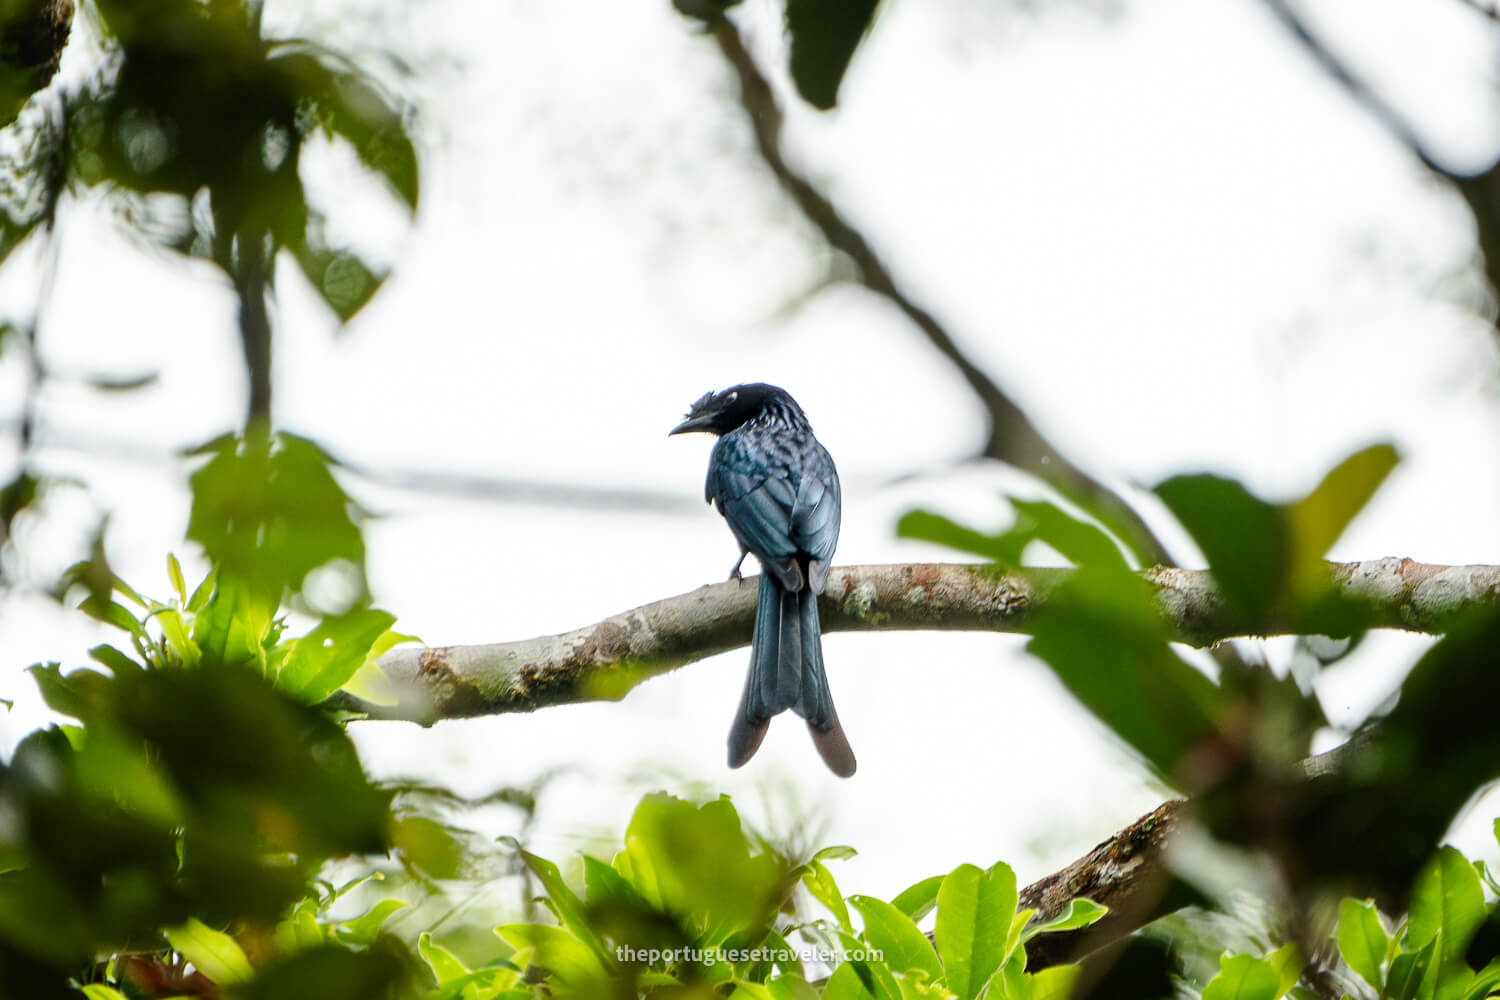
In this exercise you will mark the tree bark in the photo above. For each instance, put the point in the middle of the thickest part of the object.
(603, 661)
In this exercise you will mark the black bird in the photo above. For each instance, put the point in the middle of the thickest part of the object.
(777, 487)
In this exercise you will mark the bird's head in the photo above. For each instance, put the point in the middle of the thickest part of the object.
(722, 412)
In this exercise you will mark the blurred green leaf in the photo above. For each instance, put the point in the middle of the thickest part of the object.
(1318, 519)
(363, 929)
(904, 948)
(267, 511)
(174, 573)
(1081, 542)
(351, 107)
(127, 383)
(301, 931)
(696, 863)
(443, 963)
(341, 279)
(824, 35)
(1447, 898)
(68, 694)
(217, 955)
(974, 916)
(603, 885)
(1288, 962)
(324, 659)
(569, 961)
(96, 991)
(1372, 828)
(570, 908)
(835, 852)
(1362, 940)
(1102, 637)
(1243, 977)
(233, 627)
(428, 846)
(1242, 537)
(117, 661)
(381, 972)
(1004, 549)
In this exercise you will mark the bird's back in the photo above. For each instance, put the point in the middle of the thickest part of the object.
(778, 488)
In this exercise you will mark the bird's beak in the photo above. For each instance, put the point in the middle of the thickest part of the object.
(699, 423)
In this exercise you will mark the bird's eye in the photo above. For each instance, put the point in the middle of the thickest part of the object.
(731, 397)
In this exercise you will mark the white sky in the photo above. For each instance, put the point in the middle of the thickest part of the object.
(1167, 233)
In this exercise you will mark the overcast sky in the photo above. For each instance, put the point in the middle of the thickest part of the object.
(1164, 231)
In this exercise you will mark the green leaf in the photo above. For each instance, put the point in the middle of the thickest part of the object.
(71, 693)
(334, 972)
(1104, 639)
(1362, 940)
(1318, 519)
(1055, 983)
(1446, 898)
(428, 846)
(791, 988)
(267, 511)
(916, 901)
(904, 947)
(820, 882)
(1243, 977)
(1080, 913)
(838, 852)
(1082, 542)
(696, 863)
(975, 910)
(232, 627)
(342, 280)
(1412, 974)
(352, 107)
(217, 955)
(98, 991)
(1242, 536)
(1288, 963)
(604, 886)
(364, 928)
(324, 659)
(114, 659)
(1006, 549)
(569, 907)
(569, 960)
(824, 35)
(846, 984)
(301, 932)
(443, 963)
(174, 573)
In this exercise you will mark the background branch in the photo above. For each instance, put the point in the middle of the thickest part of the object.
(1012, 437)
(603, 661)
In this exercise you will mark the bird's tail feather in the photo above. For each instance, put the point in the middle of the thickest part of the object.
(817, 702)
(786, 672)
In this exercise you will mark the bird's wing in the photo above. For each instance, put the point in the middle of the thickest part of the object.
(758, 510)
(815, 514)
(755, 501)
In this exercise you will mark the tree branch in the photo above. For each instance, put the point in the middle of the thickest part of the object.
(1012, 437)
(603, 661)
